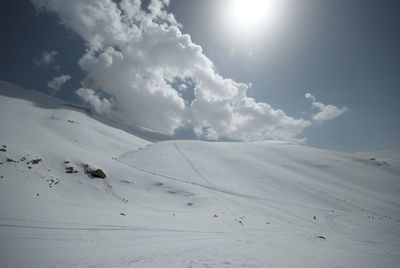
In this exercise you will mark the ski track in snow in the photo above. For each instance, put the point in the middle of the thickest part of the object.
(267, 202)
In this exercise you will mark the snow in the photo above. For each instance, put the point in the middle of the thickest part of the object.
(184, 203)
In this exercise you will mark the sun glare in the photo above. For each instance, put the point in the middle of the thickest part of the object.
(249, 12)
(255, 15)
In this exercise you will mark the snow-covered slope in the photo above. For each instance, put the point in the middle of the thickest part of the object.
(183, 203)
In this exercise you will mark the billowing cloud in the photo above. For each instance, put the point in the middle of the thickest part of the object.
(48, 57)
(326, 112)
(58, 81)
(102, 106)
(144, 62)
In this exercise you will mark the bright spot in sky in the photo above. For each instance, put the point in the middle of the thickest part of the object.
(249, 12)
(256, 15)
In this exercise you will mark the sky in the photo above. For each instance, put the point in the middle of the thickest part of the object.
(326, 73)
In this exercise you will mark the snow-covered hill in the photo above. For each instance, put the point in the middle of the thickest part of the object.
(183, 203)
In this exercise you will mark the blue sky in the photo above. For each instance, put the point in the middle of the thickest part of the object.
(345, 53)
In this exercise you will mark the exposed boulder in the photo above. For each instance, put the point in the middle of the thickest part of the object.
(94, 172)
(36, 161)
(98, 173)
(70, 170)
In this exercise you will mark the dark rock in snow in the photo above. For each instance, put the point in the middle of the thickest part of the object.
(70, 170)
(36, 161)
(98, 173)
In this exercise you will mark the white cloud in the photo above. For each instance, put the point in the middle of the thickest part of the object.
(182, 87)
(48, 57)
(326, 112)
(134, 56)
(58, 81)
(102, 106)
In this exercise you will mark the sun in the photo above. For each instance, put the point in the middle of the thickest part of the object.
(254, 16)
(249, 12)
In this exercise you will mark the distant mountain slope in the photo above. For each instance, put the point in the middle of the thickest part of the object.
(183, 203)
